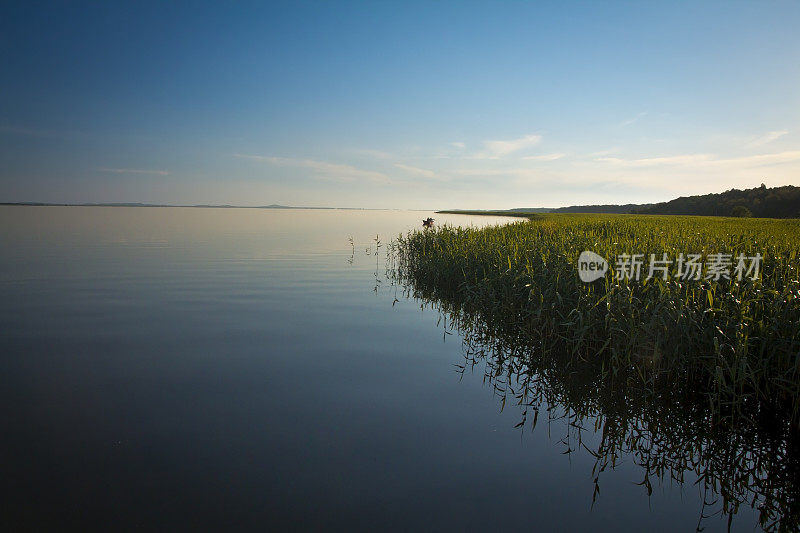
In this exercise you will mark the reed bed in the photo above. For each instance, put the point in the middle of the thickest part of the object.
(736, 340)
(697, 376)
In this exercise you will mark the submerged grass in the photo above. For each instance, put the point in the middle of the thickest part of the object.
(737, 341)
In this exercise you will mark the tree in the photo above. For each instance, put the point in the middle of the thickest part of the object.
(741, 211)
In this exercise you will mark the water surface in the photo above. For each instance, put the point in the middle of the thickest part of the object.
(251, 368)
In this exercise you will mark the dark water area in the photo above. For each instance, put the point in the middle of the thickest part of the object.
(252, 369)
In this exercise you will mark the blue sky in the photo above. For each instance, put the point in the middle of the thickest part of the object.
(396, 104)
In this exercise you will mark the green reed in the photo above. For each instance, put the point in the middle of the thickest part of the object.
(686, 375)
(736, 340)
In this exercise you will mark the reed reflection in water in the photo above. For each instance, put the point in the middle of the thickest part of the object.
(672, 432)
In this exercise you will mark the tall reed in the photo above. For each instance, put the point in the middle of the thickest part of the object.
(738, 340)
(686, 375)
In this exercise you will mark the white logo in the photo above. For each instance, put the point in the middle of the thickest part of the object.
(632, 267)
(591, 266)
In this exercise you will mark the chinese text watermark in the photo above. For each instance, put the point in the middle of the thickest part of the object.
(634, 267)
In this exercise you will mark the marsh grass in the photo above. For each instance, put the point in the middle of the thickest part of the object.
(697, 375)
(737, 340)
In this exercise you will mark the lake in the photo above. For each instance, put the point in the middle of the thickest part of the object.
(255, 369)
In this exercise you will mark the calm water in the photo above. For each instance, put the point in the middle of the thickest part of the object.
(242, 368)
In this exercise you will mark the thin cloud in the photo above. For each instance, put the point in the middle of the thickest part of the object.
(515, 172)
(497, 149)
(656, 161)
(374, 154)
(424, 172)
(633, 120)
(458, 145)
(765, 159)
(603, 152)
(516, 177)
(767, 138)
(134, 171)
(705, 160)
(323, 169)
(544, 157)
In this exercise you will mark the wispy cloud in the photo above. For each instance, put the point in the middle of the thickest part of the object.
(544, 157)
(767, 138)
(134, 171)
(322, 169)
(373, 154)
(765, 159)
(656, 161)
(705, 160)
(416, 171)
(633, 120)
(458, 145)
(515, 176)
(497, 149)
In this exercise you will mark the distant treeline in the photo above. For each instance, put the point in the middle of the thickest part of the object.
(761, 202)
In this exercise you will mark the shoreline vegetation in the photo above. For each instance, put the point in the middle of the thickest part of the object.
(689, 375)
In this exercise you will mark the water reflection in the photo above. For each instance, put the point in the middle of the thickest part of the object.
(255, 380)
(750, 456)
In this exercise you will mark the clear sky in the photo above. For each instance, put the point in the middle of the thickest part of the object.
(396, 104)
